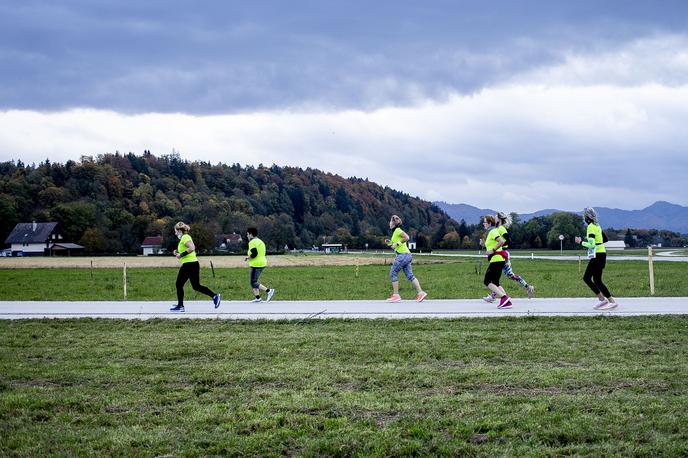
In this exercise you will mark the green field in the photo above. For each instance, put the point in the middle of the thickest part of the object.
(478, 387)
(454, 278)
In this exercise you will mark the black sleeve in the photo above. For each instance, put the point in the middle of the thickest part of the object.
(254, 253)
(507, 239)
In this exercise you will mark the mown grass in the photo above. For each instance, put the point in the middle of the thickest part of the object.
(457, 278)
(478, 387)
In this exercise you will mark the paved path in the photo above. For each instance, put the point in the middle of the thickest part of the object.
(298, 310)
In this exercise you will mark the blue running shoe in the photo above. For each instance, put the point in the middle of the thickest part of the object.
(216, 300)
(177, 308)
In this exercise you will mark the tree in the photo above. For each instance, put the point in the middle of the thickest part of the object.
(93, 240)
(628, 239)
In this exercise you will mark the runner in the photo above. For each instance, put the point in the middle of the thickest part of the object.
(257, 262)
(493, 244)
(503, 224)
(402, 260)
(190, 268)
(597, 254)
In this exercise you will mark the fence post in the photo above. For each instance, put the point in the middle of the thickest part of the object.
(125, 281)
(652, 271)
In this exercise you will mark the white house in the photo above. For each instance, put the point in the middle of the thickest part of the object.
(33, 239)
(615, 245)
(151, 245)
(332, 247)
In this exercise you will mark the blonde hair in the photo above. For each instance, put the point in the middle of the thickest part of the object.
(397, 220)
(504, 219)
(490, 219)
(182, 227)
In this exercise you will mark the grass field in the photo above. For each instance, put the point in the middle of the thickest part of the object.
(454, 278)
(477, 387)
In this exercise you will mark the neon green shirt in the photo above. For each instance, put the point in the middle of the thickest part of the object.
(191, 257)
(260, 260)
(398, 239)
(502, 233)
(594, 232)
(491, 243)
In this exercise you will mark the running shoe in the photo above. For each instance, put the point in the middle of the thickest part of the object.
(257, 299)
(394, 298)
(601, 305)
(503, 301)
(489, 298)
(611, 306)
(421, 296)
(216, 300)
(531, 291)
(270, 294)
(506, 305)
(177, 308)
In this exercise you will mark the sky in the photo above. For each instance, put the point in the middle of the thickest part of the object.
(518, 106)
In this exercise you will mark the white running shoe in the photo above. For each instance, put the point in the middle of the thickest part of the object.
(270, 294)
(610, 306)
(489, 298)
(258, 299)
(601, 305)
(531, 291)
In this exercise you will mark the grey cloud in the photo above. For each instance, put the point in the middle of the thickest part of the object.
(220, 57)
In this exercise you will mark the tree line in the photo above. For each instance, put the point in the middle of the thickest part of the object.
(111, 202)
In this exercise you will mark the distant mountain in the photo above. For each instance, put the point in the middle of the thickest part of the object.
(660, 215)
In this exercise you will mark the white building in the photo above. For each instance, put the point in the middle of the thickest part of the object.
(33, 239)
(151, 245)
(615, 245)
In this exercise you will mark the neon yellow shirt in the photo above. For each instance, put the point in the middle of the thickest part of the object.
(260, 260)
(491, 243)
(595, 232)
(191, 257)
(398, 239)
(502, 233)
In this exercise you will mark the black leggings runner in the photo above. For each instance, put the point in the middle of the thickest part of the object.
(593, 275)
(190, 271)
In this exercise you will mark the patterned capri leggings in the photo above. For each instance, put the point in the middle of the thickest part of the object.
(402, 261)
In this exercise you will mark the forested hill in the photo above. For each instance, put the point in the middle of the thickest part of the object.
(109, 204)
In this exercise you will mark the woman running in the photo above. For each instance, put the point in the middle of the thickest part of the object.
(190, 269)
(402, 260)
(257, 261)
(493, 244)
(597, 254)
(503, 224)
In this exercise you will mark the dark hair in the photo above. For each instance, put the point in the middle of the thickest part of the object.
(253, 231)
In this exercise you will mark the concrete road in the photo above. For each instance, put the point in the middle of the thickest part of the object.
(298, 310)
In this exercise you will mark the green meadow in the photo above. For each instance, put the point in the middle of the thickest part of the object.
(443, 279)
(534, 386)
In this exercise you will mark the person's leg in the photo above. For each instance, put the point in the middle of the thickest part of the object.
(394, 275)
(491, 280)
(508, 271)
(587, 276)
(195, 277)
(597, 277)
(255, 284)
(182, 277)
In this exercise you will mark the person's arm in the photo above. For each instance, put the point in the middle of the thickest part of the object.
(500, 242)
(253, 253)
(190, 248)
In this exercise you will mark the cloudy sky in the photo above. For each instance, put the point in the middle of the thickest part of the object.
(517, 105)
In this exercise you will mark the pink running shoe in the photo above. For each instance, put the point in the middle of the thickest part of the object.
(504, 302)
(394, 298)
(601, 305)
(421, 296)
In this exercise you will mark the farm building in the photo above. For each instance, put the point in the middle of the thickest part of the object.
(38, 239)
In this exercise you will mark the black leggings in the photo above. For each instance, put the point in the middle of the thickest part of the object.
(493, 272)
(190, 271)
(593, 275)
